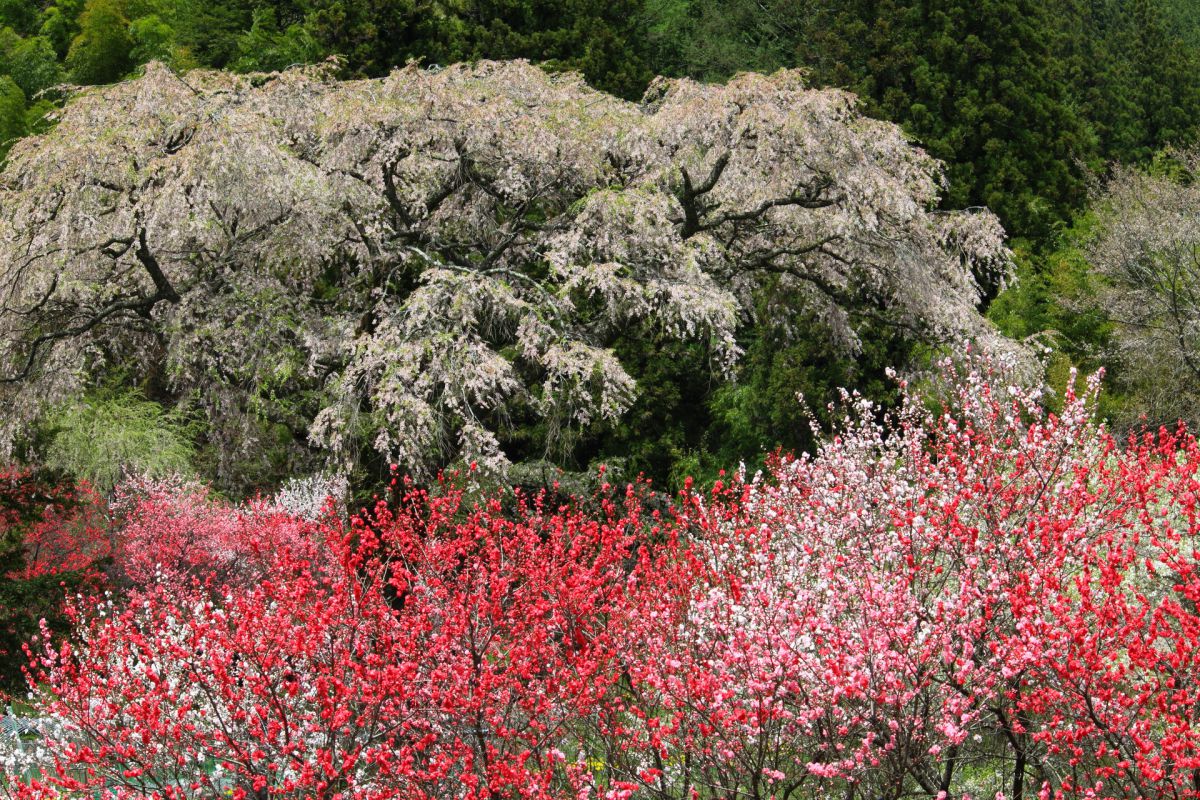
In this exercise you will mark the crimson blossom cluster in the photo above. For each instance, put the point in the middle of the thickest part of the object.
(988, 600)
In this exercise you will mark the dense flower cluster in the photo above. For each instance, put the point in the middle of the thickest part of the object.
(55, 527)
(989, 600)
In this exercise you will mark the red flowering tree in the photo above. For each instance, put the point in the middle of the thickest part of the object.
(427, 650)
(52, 536)
(989, 600)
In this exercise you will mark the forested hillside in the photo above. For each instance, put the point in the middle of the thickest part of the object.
(1023, 102)
(1017, 97)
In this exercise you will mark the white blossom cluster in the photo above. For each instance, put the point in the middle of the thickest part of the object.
(1145, 260)
(309, 497)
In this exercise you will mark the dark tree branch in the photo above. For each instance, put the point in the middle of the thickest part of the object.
(810, 199)
(163, 287)
(116, 247)
(764, 258)
(689, 195)
(948, 773)
(140, 305)
(40, 304)
(390, 194)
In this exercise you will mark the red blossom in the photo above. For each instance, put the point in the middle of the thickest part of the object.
(988, 600)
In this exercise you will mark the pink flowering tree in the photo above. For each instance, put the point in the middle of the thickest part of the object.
(178, 533)
(989, 600)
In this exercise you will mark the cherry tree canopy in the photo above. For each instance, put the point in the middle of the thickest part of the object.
(409, 259)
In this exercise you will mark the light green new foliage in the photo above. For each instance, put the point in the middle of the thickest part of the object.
(152, 39)
(33, 65)
(102, 437)
(270, 46)
(101, 51)
(12, 113)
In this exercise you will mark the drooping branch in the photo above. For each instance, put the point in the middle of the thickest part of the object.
(38, 305)
(810, 198)
(142, 306)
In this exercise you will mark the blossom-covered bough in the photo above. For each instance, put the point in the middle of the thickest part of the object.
(412, 260)
(989, 602)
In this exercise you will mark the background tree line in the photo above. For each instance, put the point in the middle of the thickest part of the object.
(1015, 96)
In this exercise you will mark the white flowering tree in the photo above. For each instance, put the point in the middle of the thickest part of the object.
(396, 265)
(1146, 252)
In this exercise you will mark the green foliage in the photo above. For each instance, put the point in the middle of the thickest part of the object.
(23, 16)
(38, 116)
(60, 24)
(1054, 304)
(1052, 299)
(600, 38)
(1134, 75)
(713, 39)
(376, 35)
(22, 603)
(603, 40)
(1180, 16)
(102, 437)
(12, 113)
(153, 39)
(687, 422)
(33, 65)
(1013, 94)
(788, 382)
(9, 39)
(101, 51)
(977, 84)
(664, 434)
(1168, 78)
(209, 32)
(266, 48)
